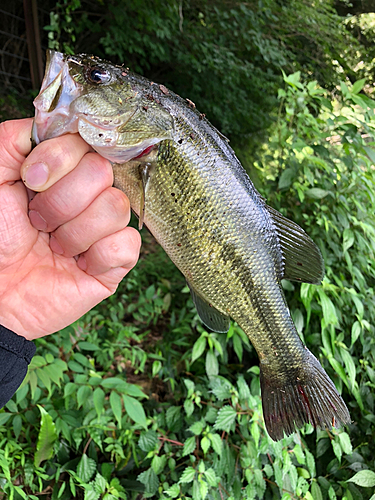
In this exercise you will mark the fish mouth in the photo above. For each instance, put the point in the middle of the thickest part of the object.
(53, 116)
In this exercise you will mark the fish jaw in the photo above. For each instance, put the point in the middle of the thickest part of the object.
(53, 116)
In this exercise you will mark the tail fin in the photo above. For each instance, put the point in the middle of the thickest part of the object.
(304, 394)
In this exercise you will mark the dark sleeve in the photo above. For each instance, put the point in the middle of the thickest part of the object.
(15, 355)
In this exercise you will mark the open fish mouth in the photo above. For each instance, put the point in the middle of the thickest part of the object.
(52, 105)
(60, 108)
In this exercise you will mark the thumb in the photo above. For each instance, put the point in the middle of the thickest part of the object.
(15, 145)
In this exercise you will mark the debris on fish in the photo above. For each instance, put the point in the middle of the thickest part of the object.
(186, 185)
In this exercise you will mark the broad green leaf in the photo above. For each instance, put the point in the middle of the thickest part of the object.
(329, 311)
(216, 441)
(210, 477)
(148, 441)
(212, 365)
(286, 178)
(4, 417)
(46, 438)
(225, 418)
(187, 476)
(316, 193)
(198, 348)
(365, 478)
(158, 464)
(17, 425)
(115, 402)
(205, 444)
(189, 446)
(316, 492)
(173, 491)
(98, 398)
(358, 86)
(150, 480)
(86, 468)
(135, 410)
(83, 394)
(346, 445)
(88, 346)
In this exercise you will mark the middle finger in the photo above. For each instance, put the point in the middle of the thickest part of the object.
(107, 214)
(72, 194)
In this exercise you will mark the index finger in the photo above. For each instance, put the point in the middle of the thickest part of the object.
(51, 160)
(15, 145)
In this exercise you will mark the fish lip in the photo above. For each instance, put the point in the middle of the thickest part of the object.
(54, 118)
(100, 122)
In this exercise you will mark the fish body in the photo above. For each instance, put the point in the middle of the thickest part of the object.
(186, 185)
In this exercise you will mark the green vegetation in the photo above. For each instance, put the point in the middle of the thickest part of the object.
(137, 399)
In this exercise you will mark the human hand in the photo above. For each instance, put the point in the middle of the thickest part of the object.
(44, 286)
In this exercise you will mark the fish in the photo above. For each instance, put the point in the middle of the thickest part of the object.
(186, 185)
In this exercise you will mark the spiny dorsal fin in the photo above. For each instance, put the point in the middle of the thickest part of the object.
(209, 315)
(302, 258)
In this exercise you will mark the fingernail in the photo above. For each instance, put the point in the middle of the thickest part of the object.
(81, 263)
(55, 245)
(37, 220)
(36, 175)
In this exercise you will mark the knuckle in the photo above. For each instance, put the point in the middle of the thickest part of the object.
(100, 167)
(118, 202)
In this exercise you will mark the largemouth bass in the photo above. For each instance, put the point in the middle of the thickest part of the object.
(186, 185)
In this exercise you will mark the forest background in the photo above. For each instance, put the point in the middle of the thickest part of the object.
(137, 400)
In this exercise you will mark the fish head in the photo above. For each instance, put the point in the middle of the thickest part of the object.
(106, 104)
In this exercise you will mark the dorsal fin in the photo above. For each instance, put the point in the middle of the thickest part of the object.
(303, 260)
(209, 315)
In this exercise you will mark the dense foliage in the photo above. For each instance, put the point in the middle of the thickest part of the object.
(224, 55)
(137, 400)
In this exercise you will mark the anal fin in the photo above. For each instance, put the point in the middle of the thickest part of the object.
(209, 315)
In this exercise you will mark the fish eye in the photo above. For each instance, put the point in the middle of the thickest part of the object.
(98, 75)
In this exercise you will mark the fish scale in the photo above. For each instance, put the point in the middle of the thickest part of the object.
(186, 185)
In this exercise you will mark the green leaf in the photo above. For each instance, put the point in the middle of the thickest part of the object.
(187, 476)
(225, 418)
(316, 193)
(83, 394)
(148, 441)
(358, 86)
(365, 478)
(17, 425)
(46, 438)
(286, 178)
(329, 311)
(198, 348)
(205, 444)
(86, 468)
(4, 417)
(135, 410)
(211, 478)
(346, 445)
(98, 398)
(173, 418)
(216, 442)
(189, 446)
(158, 463)
(150, 480)
(88, 346)
(115, 402)
(212, 365)
(173, 491)
(316, 492)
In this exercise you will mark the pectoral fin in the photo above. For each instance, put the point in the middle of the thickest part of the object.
(302, 258)
(144, 171)
(209, 315)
